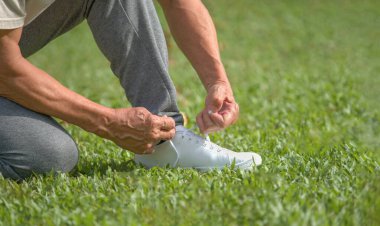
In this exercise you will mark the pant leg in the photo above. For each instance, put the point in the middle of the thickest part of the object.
(57, 19)
(129, 34)
(32, 143)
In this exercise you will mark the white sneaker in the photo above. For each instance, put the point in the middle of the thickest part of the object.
(188, 150)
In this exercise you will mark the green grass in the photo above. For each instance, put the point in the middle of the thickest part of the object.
(306, 75)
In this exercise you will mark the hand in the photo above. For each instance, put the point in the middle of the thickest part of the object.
(220, 111)
(138, 130)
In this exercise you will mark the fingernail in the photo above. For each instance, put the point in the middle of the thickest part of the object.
(209, 112)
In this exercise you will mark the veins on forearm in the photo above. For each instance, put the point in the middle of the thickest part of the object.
(195, 34)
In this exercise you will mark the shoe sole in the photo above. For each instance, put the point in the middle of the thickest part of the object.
(243, 166)
(248, 166)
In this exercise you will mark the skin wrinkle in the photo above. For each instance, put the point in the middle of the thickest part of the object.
(202, 49)
(34, 89)
(142, 130)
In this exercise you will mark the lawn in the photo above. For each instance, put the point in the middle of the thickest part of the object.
(306, 76)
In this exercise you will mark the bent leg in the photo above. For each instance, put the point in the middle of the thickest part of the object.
(129, 34)
(32, 143)
(60, 17)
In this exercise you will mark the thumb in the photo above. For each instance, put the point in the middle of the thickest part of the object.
(215, 104)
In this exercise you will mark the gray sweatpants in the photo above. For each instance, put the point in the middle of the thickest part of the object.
(129, 34)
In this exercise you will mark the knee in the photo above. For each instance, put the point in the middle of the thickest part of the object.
(43, 156)
(59, 155)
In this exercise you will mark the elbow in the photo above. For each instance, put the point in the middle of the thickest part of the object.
(9, 68)
(10, 58)
(6, 71)
(11, 65)
(4, 78)
(7, 77)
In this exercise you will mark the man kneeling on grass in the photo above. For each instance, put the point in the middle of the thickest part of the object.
(129, 34)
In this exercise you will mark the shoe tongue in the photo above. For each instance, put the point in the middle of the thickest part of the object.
(182, 130)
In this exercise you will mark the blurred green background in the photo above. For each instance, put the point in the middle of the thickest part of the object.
(306, 76)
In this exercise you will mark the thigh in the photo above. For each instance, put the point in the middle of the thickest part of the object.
(56, 20)
(32, 142)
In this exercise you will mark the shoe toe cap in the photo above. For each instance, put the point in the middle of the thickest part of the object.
(249, 158)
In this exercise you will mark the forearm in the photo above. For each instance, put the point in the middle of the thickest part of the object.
(33, 88)
(135, 129)
(194, 32)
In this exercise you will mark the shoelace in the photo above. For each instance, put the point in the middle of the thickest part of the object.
(176, 151)
(193, 135)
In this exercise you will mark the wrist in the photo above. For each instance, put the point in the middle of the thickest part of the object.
(220, 85)
(215, 76)
(210, 86)
(99, 121)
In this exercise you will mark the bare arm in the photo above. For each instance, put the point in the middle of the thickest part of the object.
(33, 88)
(194, 32)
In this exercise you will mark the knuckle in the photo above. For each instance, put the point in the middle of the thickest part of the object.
(172, 134)
(219, 99)
(156, 122)
(153, 122)
(143, 115)
(154, 136)
(170, 122)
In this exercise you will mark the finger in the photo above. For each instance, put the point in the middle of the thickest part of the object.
(166, 135)
(206, 119)
(230, 117)
(217, 119)
(167, 123)
(163, 123)
(148, 151)
(237, 112)
(209, 124)
(147, 148)
(216, 103)
(137, 148)
(200, 123)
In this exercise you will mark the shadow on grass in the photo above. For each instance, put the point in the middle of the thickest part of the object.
(101, 168)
